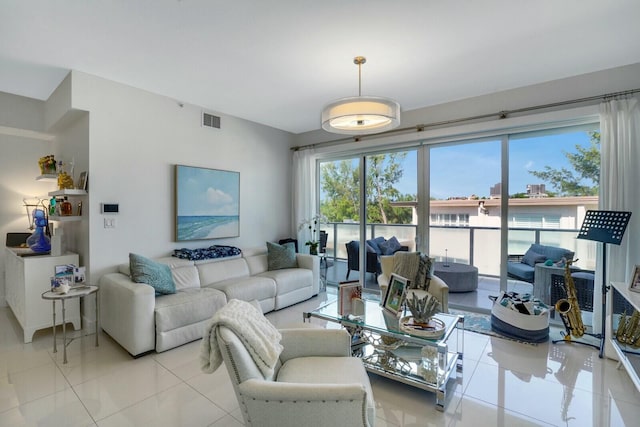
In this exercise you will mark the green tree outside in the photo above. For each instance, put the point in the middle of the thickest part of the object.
(341, 185)
(584, 179)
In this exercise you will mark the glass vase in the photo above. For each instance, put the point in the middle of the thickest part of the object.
(39, 242)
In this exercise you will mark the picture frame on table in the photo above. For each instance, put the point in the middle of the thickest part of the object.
(396, 293)
(64, 274)
(347, 293)
(79, 275)
(634, 286)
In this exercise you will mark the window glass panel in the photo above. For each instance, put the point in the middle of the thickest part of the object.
(553, 181)
(462, 177)
(339, 194)
(391, 202)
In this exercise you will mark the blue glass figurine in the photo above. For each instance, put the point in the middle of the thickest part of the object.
(39, 241)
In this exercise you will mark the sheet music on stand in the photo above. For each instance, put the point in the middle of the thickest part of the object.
(605, 227)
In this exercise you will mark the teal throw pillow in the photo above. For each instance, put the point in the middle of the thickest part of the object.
(155, 274)
(279, 256)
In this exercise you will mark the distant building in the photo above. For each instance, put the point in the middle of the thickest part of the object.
(495, 191)
(536, 190)
(550, 212)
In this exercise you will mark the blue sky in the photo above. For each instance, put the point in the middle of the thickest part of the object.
(204, 191)
(472, 168)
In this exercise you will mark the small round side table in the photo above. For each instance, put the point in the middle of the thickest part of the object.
(75, 292)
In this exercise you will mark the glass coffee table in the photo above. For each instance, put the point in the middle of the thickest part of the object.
(386, 350)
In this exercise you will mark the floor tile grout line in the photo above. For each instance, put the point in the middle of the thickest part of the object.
(69, 386)
(73, 389)
(214, 403)
(185, 382)
(522, 415)
(557, 383)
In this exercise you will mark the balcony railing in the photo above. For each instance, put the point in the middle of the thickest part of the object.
(479, 246)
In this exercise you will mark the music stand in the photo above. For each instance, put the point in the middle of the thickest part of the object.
(605, 227)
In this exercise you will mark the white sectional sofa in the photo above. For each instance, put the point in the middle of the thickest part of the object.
(140, 321)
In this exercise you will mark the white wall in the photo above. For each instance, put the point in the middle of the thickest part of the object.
(136, 138)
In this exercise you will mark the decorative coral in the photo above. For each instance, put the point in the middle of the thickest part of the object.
(422, 309)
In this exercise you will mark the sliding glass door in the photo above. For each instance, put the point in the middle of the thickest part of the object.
(553, 181)
(464, 217)
(389, 186)
(391, 206)
(489, 200)
(339, 201)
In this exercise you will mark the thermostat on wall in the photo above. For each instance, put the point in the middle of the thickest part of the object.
(109, 208)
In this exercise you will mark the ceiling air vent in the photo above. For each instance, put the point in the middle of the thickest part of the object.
(209, 120)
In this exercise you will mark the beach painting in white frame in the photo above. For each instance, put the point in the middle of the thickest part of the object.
(207, 203)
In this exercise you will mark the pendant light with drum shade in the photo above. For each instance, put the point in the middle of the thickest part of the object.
(361, 115)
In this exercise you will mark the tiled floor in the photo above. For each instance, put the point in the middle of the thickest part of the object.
(487, 286)
(503, 383)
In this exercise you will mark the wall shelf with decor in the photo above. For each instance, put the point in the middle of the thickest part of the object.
(69, 218)
(47, 177)
(68, 192)
(627, 302)
(76, 210)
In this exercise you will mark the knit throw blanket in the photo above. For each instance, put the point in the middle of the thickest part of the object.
(414, 266)
(259, 336)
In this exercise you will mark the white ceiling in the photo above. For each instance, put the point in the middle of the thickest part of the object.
(277, 62)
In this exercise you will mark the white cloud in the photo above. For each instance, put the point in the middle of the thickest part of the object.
(217, 203)
(217, 197)
(529, 165)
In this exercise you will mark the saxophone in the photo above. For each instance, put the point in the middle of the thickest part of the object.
(569, 309)
(628, 331)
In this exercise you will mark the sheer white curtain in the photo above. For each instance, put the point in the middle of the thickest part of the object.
(304, 192)
(620, 184)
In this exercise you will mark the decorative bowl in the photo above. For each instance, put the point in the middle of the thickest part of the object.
(434, 329)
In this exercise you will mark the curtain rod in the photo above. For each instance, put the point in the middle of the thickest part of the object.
(499, 115)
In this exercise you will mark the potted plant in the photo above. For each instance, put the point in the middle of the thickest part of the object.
(313, 225)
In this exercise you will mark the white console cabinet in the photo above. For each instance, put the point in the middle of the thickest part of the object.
(26, 279)
(624, 301)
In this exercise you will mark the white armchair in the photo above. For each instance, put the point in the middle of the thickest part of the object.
(438, 288)
(316, 382)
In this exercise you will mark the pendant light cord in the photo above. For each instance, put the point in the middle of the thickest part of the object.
(359, 60)
(359, 79)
